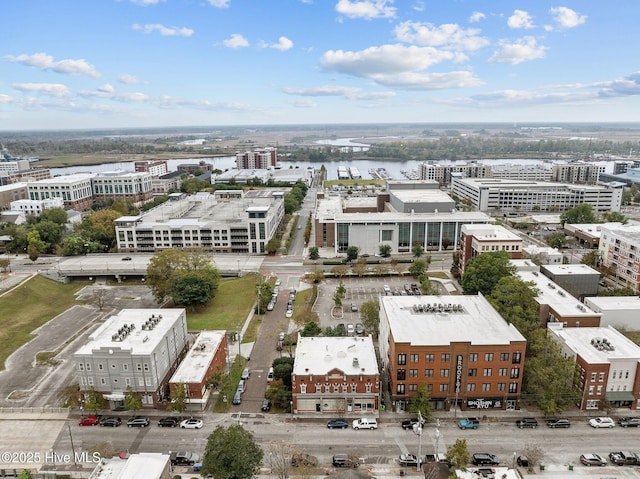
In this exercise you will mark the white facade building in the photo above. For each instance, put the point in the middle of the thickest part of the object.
(619, 250)
(122, 185)
(75, 190)
(617, 311)
(36, 207)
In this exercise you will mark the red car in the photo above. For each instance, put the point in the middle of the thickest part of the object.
(89, 421)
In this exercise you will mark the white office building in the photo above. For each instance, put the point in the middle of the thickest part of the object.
(36, 207)
(619, 250)
(75, 190)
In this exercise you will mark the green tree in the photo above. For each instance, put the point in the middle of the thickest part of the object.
(352, 253)
(265, 293)
(458, 455)
(314, 254)
(341, 289)
(24, 474)
(515, 300)
(273, 245)
(194, 288)
(337, 299)
(615, 217)
(417, 249)
(384, 250)
(179, 398)
(417, 268)
(132, 401)
(482, 273)
(282, 371)
(56, 215)
(592, 258)
(556, 240)
(455, 264)
(421, 403)
(100, 227)
(4, 264)
(311, 329)
(579, 215)
(370, 316)
(93, 400)
(232, 453)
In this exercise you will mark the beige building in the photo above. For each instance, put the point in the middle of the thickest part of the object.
(619, 250)
(484, 238)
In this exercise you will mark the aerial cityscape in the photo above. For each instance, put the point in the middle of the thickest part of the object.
(319, 239)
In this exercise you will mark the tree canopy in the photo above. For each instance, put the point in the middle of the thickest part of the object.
(232, 453)
(370, 316)
(482, 273)
(579, 214)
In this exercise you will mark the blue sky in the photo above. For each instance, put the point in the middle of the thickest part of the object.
(68, 64)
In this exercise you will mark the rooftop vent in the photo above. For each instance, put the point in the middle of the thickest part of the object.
(602, 344)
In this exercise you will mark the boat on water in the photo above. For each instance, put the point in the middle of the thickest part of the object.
(379, 174)
(410, 174)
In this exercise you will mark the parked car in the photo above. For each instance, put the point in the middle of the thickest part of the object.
(436, 458)
(351, 330)
(89, 421)
(558, 422)
(629, 422)
(529, 422)
(289, 313)
(237, 398)
(303, 459)
(138, 421)
(345, 460)
(183, 458)
(408, 423)
(168, 421)
(600, 422)
(486, 473)
(192, 423)
(270, 306)
(246, 372)
(359, 329)
(266, 405)
(409, 460)
(468, 423)
(484, 459)
(593, 460)
(365, 423)
(624, 458)
(523, 461)
(110, 421)
(354, 308)
(337, 424)
(270, 375)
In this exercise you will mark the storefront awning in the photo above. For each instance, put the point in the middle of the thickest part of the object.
(114, 397)
(615, 396)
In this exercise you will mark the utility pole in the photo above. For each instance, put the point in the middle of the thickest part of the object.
(417, 429)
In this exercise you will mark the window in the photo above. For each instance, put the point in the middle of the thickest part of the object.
(429, 358)
(413, 387)
(504, 356)
(303, 388)
(614, 375)
(591, 389)
(487, 372)
(88, 366)
(473, 357)
(501, 386)
(471, 387)
(428, 373)
(502, 372)
(516, 358)
(515, 373)
(90, 381)
(125, 367)
(599, 390)
(414, 358)
(402, 359)
(138, 367)
(429, 388)
(444, 373)
(103, 381)
(386, 235)
(400, 389)
(80, 367)
(354, 388)
(413, 373)
(368, 387)
(486, 387)
(626, 374)
(513, 387)
(601, 377)
(488, 357)
(445, 357)
(444, 388)
(402, 374)
(146, 367)
(473, 372)
(101, 367)
(593, 376)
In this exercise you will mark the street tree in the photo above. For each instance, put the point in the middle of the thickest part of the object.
(57, 215)
(614, 217)
(100, 226)
(311, 329)
(352, 253)
(556, 240)
(417, 268)
(24, 474)
(340, 270)
(232, 453)
(279, 454)
(417, 249)
(458, 455)
(370, 316)
(314, 253)
(534, 454)
(592, 258)
(4, 264)
(93, 401)
(579, 214)
(384, 250)
(455, 264)
(132, 401)
(193, 288)
(99, 297)
(178, 398)
(421, 403)
(482, 273)
(273, 246)
(515, 300)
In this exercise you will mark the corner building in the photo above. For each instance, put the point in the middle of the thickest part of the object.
(458, 346)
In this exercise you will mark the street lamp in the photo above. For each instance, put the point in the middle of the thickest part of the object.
(437, 440)
(291, 406)
(514, 461)
(417, 429)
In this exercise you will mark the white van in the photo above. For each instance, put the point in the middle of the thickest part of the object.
(245, 373)
(270, 375)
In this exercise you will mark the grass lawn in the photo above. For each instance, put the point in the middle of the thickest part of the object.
(29, 306)
(230, 307)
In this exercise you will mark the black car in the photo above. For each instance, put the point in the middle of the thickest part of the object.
(523, 461)
(266, 405)
(629, 422)
(485, 459)
(111, 421)
(408, 423)
(169, 422)
(183, 458)
(558, 422)
(337, 424)
(529, 422)
(138, 421)
(624, 458)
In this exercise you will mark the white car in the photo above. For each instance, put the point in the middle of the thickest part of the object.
(191, 423)
(601, 422)
(289, 313)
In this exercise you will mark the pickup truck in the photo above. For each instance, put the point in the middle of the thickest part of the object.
(469, 423)
(365, 423)
(436, 458)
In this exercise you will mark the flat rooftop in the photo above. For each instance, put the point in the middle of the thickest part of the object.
(194, 366)
(318, 355)
(523, 184)
(629, 232)
(136, 340)
(564, 269)
(471, 319)
(488, 232)
(557, 298)
(144, 464)
(579, 340)
(73, 178)
(425, 195)
(614, 303)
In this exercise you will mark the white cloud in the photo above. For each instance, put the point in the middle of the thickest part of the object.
(128, 79)
(106, 88)
(236, 41)
(419, 6)
(520, 19)
(283, 44)
(5, 98)
(446, 35)
(367, 9)
(164, 31)
(146, 3)
(476, 17)
(429, 81)
(565, 18)
(350, 93)
(301, 103)
(219, 3)
(50, 89)
(42, 61)
(522, 50)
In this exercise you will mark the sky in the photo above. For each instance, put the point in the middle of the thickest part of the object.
(77, 64)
